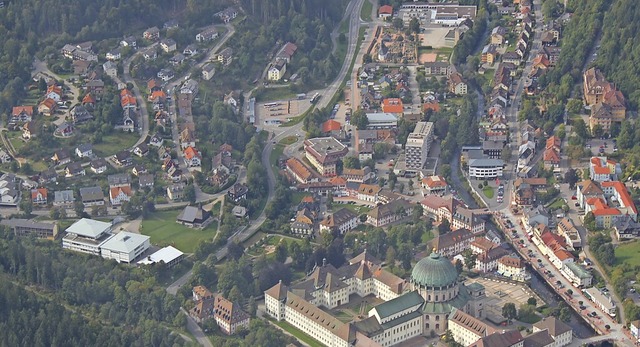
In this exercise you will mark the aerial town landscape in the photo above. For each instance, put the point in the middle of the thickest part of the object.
(319, 173)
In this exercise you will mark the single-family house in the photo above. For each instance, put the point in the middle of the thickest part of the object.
(118, 195)
(84, 150)
(74, 169)
(238, 192)
(92, 196)
(39, 196)
(123, 158)
(194, 217)
(98, 166)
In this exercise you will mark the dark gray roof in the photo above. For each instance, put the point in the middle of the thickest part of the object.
(399, 304)
(91, 193)
(117, 179)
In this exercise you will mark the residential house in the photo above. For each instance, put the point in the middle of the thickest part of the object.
(385, 11)
(577, 274)
(207, 34)
(129, 41)
(118, 195)
(437, 68)
(488, 261)
(171, 24)
(80, 67)
(208, 70)
(303, 223)
(225, 56)
(92, 196)
(368, 193)
(156, 140)
(150, 54)
(139, 169)
(602, 169)
(286, 52)
(110, 69)
(61, 157)
(453, 242)
(80, 114)
(456, 84)
(339, 222)
(63, 198)
(177, 59)
(299, 171)
(98, 166)
(151, 34)
(145, 180)
(513, 267)
(229, 316)
(568, 230)
(74, 169)
(190, 88)
(227, 14)
(194, 217)
(95, 87)
(277, 70)
(48, 176)
(141, 150)
(123, 158)
(47, 107)
(560, 332)
(192, 158)
(114, 54)
(238, 192)
(39, 196)
(29, 130)
(21, 114)
(175, 191)
(84, 150)
(394, 211)
(498, 35)
(187, 137)
(489, 54)
(166, 75)
(434, 185)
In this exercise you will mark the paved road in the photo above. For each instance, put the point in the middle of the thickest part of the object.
(195, 330)
(327, 94)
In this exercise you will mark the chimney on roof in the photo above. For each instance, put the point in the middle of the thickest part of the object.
(324, 262)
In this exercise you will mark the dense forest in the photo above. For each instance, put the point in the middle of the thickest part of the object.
(619, 53)
(129, 306)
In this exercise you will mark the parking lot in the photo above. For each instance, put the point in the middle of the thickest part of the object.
(602, 147)
(499, 293)
(280, 111)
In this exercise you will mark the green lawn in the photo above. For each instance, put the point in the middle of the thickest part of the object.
(628, 253)
(488, 192)
(164, 230)
(298, 334)
(556, 204)
(426, 237)
(273, 94)
(289, 140)
(354, 208)
(114, 143)
(365, 12)
(275, 154)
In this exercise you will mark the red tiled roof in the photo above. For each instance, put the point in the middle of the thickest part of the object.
(298, 168)
(20, 109)
(392, 105)
(551, 155)
(88, 99)
(434, 181)
(50, 103)
(331, 125)
(115, 191)
(190, 153)
(42, 191)
(338, 181)
(435, 106)
(385, 9)
(623, 194)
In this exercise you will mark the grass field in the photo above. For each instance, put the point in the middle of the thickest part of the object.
(275, 154)
(488, 192)
(365, 12)
(114, 143)
(628, 253)
(298, 334)
(289, 140)
(556, 204)
(273, 94)
(354, 208)
(164, 230)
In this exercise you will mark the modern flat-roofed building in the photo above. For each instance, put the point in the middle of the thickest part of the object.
(24, 227)
(86, 236)
(382, 121)
(603, 302)
(169, 255)
(323, 153)
(485, 168)
(418, 145)
(125, 247)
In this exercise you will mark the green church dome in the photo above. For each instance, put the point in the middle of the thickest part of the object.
(434, 271)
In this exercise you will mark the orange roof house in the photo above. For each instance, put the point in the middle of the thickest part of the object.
(385, 9)
(553, 142)
(157, 95)
(551, 156)
(392, 105)
(331, 125)
(88, 99)
(434, 106)
(298, 170)
(39, 195)
(18, 110)
(190, 153)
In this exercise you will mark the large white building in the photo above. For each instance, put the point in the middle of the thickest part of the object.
(382, 121)
(603, 301)
(323, 153)
(86, 236)
(485, 168)
(125, 247)
(419, 308)
(418, 145)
